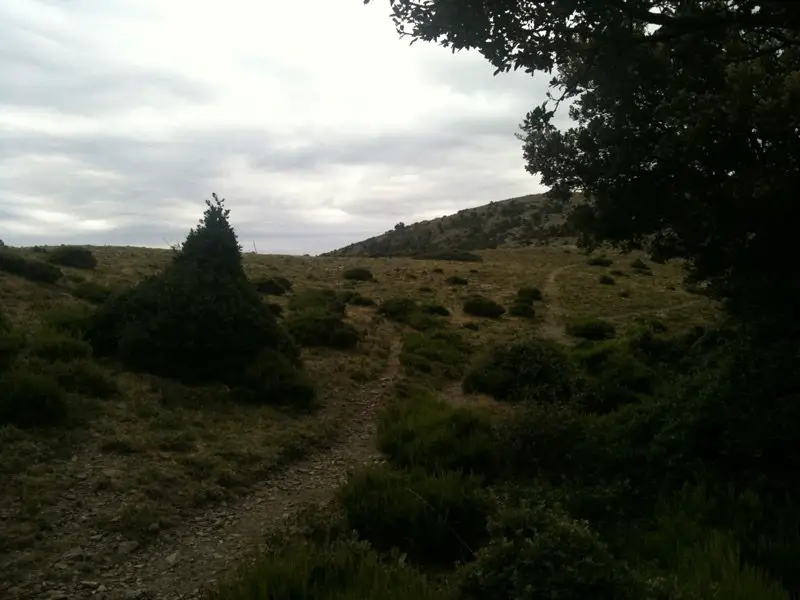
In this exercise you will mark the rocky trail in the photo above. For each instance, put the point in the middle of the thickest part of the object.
(195, 555)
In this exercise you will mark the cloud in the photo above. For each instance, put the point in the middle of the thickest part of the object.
(312, 118)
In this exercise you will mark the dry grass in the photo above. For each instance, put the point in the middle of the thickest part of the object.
(141, 462)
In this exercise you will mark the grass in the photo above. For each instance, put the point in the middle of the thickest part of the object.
(152, 451)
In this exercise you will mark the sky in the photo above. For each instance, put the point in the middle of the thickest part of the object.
(316, 123)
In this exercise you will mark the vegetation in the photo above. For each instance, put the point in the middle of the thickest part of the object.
(76, 257)
(592, 329)
(481, 306)
(11, 261)
(358, 274)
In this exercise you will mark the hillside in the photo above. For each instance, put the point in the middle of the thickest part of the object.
(517, 221)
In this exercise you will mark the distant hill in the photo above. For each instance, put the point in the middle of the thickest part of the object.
(517, 221)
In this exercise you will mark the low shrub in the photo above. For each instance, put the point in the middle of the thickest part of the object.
(639, 265)
(72, 320)
(83, 377)
(271, 286)
(398, 309)
(436, 309)
(426, 289)
(607, 280)
(76, 257)
(592, 329)
(440, 353)
(529, 294)
(275, 308)
(319, 299)
(433, 518)
(454, 255)
(359, 300)
(31, 399)
(456, 280)
(322, 329)
(52, 346)
(521, 309)
(531, 370)
(273, 379)
(618, 273)
(481, 306)
(358, 274)
(36, 271)
(10, 343)
(437, 270)
(599, 261)
(539, 552)
(93, 292)
(420, 431)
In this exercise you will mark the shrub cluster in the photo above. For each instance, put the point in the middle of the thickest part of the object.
(11, 261)
(76, 257)
(599, 261)
(480, 306)
(358, 274)
(591, 329)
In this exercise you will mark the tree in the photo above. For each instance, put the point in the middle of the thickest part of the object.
(686, 125)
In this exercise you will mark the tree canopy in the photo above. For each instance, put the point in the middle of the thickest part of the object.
(685, 125)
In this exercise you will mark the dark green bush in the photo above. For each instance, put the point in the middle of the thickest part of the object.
(440, 353)
(73, 320)
(31, 400)
(33, 270)
(358, 274)
(93, 292)
(529, 294)
(454, 255)
(83, 377)
(422, 431)
(522, 309)
(271, 286)
(76, 257)
(398, 309)
(51, 346)
(471, 325)
(359, 300)
(437, 270)
(275, 308)
(539, 552)
(599, 261)
(533, 370)
(426, 289)
(433, 518)
(456, 280)
(200, 320)
(319, 299)
(592, 329)
(436, 309)
(322, 329)
(272, 378)
(607, 280)
(639, 265)
(618, 273)
(481, 306)
(10, 342)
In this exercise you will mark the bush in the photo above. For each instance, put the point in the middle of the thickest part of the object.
(76, 257)
(51, 346)
(607, 280)
(423, 432)
(456, 280)
(271, 286)
(599, 261)
(359, 300)
(92, 291)
(398, 309)
(319, 299)
(314, 328)
(358, 274)
(433, 518)
(200, 320)
(639, 265)
(341, 570)
(592, 329)
(618, 273)
(454, 255)
(436, 309)
(437, 270)
(275, 308)
(529, 294)
(31, 400)
(83, 377)
(539, 552)
(532, 370)
(481, 306)
(441, 353)
(10, 343)
(33, 270)
(522, 309)
(272, 378)
(73, 320)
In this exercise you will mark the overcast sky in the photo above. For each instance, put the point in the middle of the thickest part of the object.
(317, 124)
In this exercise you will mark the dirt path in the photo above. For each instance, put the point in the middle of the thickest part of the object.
(213, 543)
(552, 327)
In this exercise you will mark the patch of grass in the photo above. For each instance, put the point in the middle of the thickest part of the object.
(440, 353)
(321, 329)
(592, 329)
(319, 299)
(76, 257)
(84, 377)
(93, 292)
(481, 306)
(358, 274)
(52, 346)
(433, 518)
(454, 255)
(31, 399)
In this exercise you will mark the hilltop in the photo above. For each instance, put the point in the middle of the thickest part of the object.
(519, 221)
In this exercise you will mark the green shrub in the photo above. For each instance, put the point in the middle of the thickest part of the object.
(313, 328)
(398, 309)
(10, 343)
(441, 353)
(433, 518)
(33, 270)
(200, 320)
(275, 308)
(607, 280)
(639, 265)
(471, 325)
(454, 255)
(358, 274)
(359, 300)
(426, 289)
(456, 280)
(73, 320)
(529, 294)
(539, 552)
(481, 306)
(283, 282)
(319, 299)
(271, 286)
(592, 329)
(51, 346)
(531, 370)
(76, 257)
(341, 570)
(436, 309)
(422, 431)
(83, 377)
(625, 294)
(599, 261)
(31, 399)
(272, 378)
(93, 292)
(437, 270)
(522, 309)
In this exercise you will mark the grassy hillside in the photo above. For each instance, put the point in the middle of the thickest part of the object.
(515, 222)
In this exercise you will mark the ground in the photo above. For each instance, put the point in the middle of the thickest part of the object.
(162, 489)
